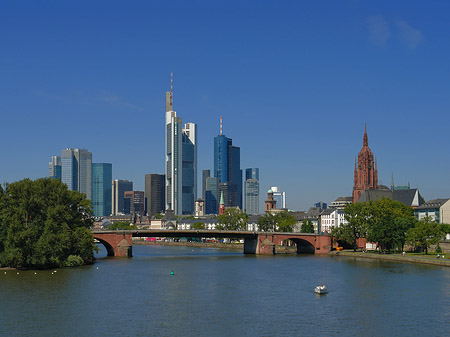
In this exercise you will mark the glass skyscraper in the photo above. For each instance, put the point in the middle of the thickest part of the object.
(101, 188)
(76, 170)
(227, 168)
(252, 191)
(212, 195)
(54, 168)
(181, 161)
(119, 187)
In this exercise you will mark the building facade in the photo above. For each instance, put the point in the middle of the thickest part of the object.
(135, 201)
(205, 175)
(101, 188)
(181, 161)
(119, 187)
(76, 170)
(212, 194)
(54, 168)
(437, 209)
(366, 172)
(251, 191)
(227, 168)
(154, 193)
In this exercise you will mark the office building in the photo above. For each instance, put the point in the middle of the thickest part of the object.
(205, 175)
(251, 191)
(279, 197)
(227, 168)
(101, 188)
(135, 202)
(119, 187)
(54, 168)
(181, 161)
(154, 193)
(212, 195)
(76, 170)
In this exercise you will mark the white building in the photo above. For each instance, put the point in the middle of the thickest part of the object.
(330, 218)
(279, 197)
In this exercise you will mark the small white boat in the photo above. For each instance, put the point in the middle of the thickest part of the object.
(322, 289)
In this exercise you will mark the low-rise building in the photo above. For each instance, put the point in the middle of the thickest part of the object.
(437, 209)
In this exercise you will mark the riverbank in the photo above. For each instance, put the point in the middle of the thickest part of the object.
(431, 259)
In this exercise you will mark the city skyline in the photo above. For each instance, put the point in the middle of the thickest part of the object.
(295, 85)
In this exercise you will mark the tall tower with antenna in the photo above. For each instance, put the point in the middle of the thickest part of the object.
(180, 160)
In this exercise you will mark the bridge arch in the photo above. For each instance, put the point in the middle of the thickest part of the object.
(109, 248)
(303, 246)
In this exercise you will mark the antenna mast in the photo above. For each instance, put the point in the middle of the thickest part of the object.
(220, 125)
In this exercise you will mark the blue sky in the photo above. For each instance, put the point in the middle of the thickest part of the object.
(295, 82)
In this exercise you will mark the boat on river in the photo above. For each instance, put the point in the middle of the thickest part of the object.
(322, 289)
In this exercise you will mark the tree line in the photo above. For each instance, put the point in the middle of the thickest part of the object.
(44, 225)
(390, 224)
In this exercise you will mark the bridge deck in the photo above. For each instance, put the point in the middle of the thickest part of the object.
(200, 233)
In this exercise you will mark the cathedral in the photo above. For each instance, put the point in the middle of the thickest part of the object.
(366, 173)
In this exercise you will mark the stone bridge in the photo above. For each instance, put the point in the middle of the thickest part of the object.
(120, 243)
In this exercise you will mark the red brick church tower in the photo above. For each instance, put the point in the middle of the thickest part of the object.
(366, 173)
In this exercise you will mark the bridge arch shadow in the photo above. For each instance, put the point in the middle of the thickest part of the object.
(303, 246)
(109, 248)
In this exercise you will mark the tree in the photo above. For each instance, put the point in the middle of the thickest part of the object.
(307, 226)
(279, 222)
(425, 233)
(232, 219)
(42, 223)
(121, 225)
(357, 217)
(389, 220)
(198, 225)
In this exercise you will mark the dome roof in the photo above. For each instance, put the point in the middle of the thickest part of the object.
(270, 191)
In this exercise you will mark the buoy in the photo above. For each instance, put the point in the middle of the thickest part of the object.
(97, 267)
(17, 273)
(34, 273)
(172, 273)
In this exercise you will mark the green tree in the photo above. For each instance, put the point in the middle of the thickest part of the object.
(279, 222)
(42, 223)
(232, 219)
(121, 225)
(356, 227)
(198, 225)
(307, 226)
(389, 220)
(425, 233)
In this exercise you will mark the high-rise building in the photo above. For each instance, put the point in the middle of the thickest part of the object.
(279, 197)
(227, 168)
(181, 161)
(189, 167)
(135, 202)
(76, 170)
(154, 193)
(366, 172)
(119, 187)
(212, 195)
(54, 168)
(252, 191)
(205, 174)
(101, 188)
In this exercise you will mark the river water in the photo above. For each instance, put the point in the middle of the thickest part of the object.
(216, 292)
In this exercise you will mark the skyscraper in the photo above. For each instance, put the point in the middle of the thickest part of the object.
(135, 202)
(252, 191)
(76, 170)
(101, 188)
(205, 175)
(212, 195)
(119, 187)
(366, 172)
(154, 193)
(54, 168)
(181, 161)
(227, 168)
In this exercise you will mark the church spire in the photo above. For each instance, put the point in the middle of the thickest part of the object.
(365, 139)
